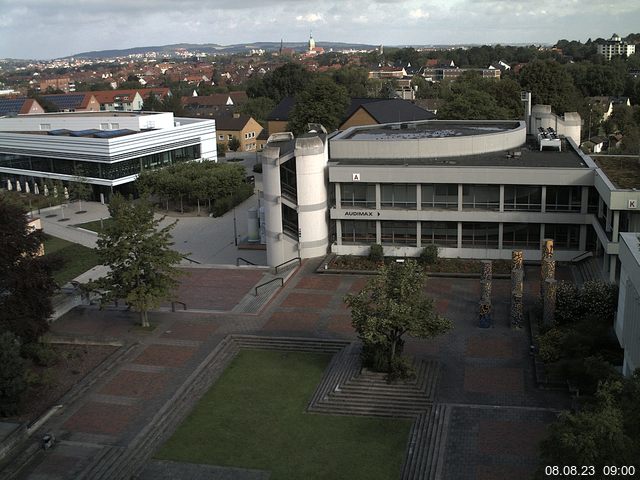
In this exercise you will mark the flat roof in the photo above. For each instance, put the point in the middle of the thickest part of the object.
(88, 114)
(622, 170)
(527, 156)
(429, 129)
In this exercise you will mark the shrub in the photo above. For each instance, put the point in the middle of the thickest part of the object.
(257, 168)
(401, 369)
(567, 302)
(429, 255)
(223, 205)
(600, 299)
(376, 253)
(221, 149)
(42, 354)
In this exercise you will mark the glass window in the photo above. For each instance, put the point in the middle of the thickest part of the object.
(565, 237)
(443, 234)
(594, 196)
(358, 195)
(358, 232)
(288, 180)
(290, 221)
(444, 196)
(399, 195)
(398, 233)
(564, 199)
(521, 235)
(522, 198)
(481, 197)
(480, 235)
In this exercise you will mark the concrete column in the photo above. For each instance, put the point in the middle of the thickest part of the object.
(543, 199)
(582, 242)
(378, 232)
(419, 234)
(339, 232)
(584, 206)
(542, 233)
(338, 195)
(500, 234)
(378, 197)
(616, 225)
(600, 206)
(460, 191)
(418, 197)
(459, 234)
(272, 206)
(608, 220)
(501, 207)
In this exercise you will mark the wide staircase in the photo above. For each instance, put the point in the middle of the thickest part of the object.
(587, 270)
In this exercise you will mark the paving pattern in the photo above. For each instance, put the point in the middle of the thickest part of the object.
(494, 414)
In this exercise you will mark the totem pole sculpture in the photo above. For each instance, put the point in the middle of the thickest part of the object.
(485, 294)
(517, 288)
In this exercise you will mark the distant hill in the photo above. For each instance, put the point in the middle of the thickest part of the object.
(212, 48)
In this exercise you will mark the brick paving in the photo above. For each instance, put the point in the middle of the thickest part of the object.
(485, 374)
(102, 418)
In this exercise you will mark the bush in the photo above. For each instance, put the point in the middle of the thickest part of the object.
(595, 298)
(221, 149)
(223, 205)
(429, 255)
(401, 369)
(567, 302)
(257, 168)
(376, 253)
(42, 354)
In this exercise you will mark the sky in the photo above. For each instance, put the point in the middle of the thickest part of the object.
(43, 29)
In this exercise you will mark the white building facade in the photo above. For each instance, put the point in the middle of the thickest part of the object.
(109, 149)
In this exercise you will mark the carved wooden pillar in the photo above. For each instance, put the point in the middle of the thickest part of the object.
(517, 288)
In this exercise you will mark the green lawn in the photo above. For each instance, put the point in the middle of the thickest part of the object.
(95, 226)
(254, 417)
(77, 258)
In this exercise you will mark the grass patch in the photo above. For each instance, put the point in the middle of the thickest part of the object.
(77, 259)
(94, 226)
(254, 417)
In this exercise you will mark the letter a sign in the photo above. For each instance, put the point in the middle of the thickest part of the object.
(356, 177)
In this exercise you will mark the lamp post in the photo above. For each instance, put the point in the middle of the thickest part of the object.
(235, 228)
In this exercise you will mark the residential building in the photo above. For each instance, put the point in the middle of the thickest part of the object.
(615, 46)
(109, 148)
(19, 106)
(213, 105)
(119, 100)
(73, 102)
(65, 84)
(242, 127)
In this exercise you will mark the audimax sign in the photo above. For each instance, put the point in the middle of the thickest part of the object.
(360, 213)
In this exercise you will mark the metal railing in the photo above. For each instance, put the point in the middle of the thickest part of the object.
(191, 260)
(582, 256)
(244, 260)
(267, 283)
(298, 259)
(173, 305)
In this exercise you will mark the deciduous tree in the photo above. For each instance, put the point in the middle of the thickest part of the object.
(392, 305)
(138, 253)
(322, 101)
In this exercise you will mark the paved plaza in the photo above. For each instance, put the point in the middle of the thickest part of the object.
(497, 413)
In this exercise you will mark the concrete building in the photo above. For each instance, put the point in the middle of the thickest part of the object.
(627, 324)
(477, 189)
(109, 148)
(615, 46)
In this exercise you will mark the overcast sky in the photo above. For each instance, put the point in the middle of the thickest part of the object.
(56, 28)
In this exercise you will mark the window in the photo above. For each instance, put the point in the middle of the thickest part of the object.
(481, 197)
(443, 234)
(522, 198)
(288, 180)
(45, 126)
(480, 235)
(565, 237)
(104, 126)
(594, 196)
(220, 137)
(229, 137)
(564, 199)
(398, 233)
(358, 195)
(444, 196)
(400, 195)
(290, 221)
(115, 126)
(358, 232)
(521, 235)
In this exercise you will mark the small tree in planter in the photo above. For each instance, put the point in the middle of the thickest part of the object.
(376, 254)
(391, 305)
(234, 144)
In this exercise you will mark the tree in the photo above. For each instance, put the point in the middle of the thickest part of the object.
(259, 108)
(234, 144)
(322, 101)
(25, 278)
(152, 103)
(284, 81)
(138, 253)
(12, 384)
(354, 79)
(80, 188)
(390, 306)
(550, 84)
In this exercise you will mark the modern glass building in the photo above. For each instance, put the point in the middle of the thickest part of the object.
(108, 149)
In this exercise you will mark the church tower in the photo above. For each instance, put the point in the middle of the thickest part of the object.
(312, 42)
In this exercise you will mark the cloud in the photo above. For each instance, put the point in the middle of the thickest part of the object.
(310, 18)
(418, 13)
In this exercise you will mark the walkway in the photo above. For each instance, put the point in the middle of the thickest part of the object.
(495, 415)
